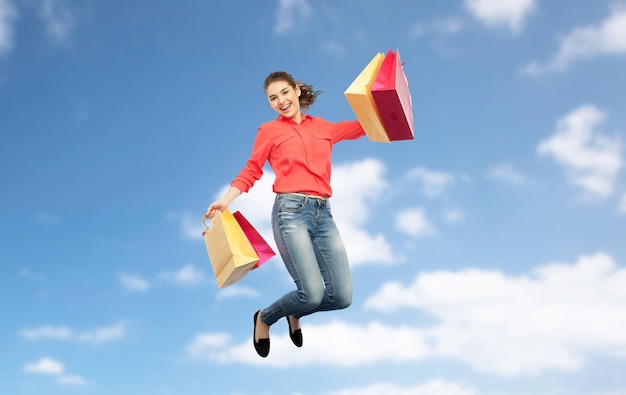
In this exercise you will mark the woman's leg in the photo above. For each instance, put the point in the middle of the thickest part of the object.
(293, 222)
(332, 261)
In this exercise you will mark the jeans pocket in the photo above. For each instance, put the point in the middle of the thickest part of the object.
(292, 206)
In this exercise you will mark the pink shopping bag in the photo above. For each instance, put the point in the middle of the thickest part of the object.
(393, 99)
(263, 250)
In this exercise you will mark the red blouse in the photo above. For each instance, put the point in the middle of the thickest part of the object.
(298, 154)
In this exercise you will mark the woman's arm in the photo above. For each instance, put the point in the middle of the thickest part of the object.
(247, 176)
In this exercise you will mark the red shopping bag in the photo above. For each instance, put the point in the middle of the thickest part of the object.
(393, 99)
(263, 250)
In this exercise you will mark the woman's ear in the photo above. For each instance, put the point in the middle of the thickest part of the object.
(298, 91)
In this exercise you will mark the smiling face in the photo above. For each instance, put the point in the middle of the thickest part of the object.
(284, 99)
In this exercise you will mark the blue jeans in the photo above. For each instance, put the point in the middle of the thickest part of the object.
(311, 248)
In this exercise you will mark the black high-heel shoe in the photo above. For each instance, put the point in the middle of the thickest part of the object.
(296, 336)
(262, 347)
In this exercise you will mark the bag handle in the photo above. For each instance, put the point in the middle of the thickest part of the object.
(206, 227)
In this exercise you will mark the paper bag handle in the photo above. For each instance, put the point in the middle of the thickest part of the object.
(204, 222)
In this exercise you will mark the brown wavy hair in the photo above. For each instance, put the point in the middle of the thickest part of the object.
(307, 94)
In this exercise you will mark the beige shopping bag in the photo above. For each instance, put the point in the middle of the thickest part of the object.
(360, 97)
(230, 252)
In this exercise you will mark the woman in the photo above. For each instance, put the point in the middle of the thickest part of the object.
(298, 148)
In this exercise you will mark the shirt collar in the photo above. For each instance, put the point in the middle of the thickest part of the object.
(289, 120)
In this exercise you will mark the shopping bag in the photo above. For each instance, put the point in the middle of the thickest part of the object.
(230, 252)
(393, 99)
(359, 96)
(263, 250)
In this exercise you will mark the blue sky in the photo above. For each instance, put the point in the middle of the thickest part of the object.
(488, 253)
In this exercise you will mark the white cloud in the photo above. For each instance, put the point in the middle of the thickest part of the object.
(622, 206)
(55, 368)
(591, 159)
(44, 366)
(554, 318)
(96, 336)
(58, 19)
(414, 223)
(191, 226)
(498, 13)
(335, 344)
(334, 47)
(29, 275)
(256, 205)
(235, 291)
(433, 183)
(454, 216)
(606, 38)
(433, 387)
(356, 186)
(8, 14)
(441, 27)
(48, 332)
(73, 380)
(291, 14)
(187, 276)
(103, 335)
(507, 173)
(448, 26)
(133, 283)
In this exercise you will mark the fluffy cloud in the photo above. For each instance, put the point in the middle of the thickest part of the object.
(414, 223)
(235, 291)
(356, 187)
(441, 27)
(591, 159)
(58, 19)
(454, 215)
(44, 366)
(506, 173)
(438, 387)
(187, 276)
(553, 318)
(72, 379)
(95, 336)
(49, 366)
(433, 183)
(334, 343)
(605, 38)
(132, 283)
(190, 226)
(48, 332)
(290, 14)
(497, 13)
(8, 14)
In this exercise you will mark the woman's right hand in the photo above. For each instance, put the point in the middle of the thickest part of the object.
(223, 203)
(213, 208)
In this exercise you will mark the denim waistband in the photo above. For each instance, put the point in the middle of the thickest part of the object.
(306, 197)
